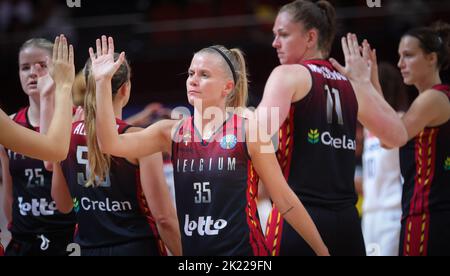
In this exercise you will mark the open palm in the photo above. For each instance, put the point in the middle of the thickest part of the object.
(103, 64)
(357, 67)
(63, 69)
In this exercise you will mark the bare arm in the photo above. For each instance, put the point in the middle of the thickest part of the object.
(46, 87)
(286, 84)
(60, 190)
(153, 139)
(285, 199)
(374, 112)
(160, 202)
(431, 108)
(7, 185)
(55, 144)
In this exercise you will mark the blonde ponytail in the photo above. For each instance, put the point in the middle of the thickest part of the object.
(99, 163)
(239, 97)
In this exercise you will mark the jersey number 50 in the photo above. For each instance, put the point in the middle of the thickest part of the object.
(82, 177)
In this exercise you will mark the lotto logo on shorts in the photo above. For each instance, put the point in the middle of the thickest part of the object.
(204, 227)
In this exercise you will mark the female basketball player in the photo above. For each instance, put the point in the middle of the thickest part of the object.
(125, 226)
(215, 178)
(425, 159)
(37, 227)
(54, 145)
(318, 113)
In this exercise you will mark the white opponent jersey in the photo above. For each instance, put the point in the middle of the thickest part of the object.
(382, 181)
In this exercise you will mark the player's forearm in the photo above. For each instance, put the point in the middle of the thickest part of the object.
(60, 192)
(296, 215)
(60, 127)
(107, 136)
(170, 234)
(47, 103)
(376, 115)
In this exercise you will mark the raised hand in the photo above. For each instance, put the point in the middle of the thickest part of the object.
(63, 70)
(357, 68)
(45, 83)
(370, 56)
(103, 65)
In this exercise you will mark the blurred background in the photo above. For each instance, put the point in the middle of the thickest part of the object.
(161, 36)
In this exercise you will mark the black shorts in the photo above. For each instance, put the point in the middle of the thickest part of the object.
(340, 230)
(428, 235)
(146, 247)
(55, 244)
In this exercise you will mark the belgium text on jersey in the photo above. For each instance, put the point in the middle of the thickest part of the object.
(208, 164)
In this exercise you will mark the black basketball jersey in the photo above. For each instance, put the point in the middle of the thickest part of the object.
(116, 211)
(34, 211)
(425, 166)
(216, 189)
(317, 141)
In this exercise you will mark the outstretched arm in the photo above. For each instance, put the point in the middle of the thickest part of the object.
(155, 138)
(284, 198)
(374, 112)
(55, 144)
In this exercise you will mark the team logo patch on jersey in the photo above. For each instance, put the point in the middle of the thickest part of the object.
(447, 164)
(228, 142)
(313, 136)
(76, 205)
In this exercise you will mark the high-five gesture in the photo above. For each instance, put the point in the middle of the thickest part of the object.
(357, 68)
(63, 70)
(45, 83)
(54, 145)
(374, 112)
(103, 64)
(370, 55)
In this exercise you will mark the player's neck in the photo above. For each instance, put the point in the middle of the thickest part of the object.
(428, 83)
(34, 112)
(117, 108)
(313, 55)
(207, 124)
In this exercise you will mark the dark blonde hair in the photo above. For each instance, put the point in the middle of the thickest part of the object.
(99, 163)
(234, 60)
(320, 15)
(434, 39)
(40, 43)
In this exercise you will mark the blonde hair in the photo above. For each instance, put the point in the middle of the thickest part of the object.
(40, 43)
(234, 60)
(99, 163)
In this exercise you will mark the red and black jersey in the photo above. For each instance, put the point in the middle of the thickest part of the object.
(316, 149)
(116, 211)
(425, 166)
(317, 141)
(216, 188)
(34, 211)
